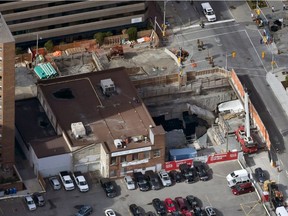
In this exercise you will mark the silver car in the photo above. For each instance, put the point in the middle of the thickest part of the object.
(130, 184)
(55, 183)
(30, 203)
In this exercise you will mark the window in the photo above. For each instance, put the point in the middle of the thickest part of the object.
(135, 156)
(156, 153)
(113, 161)
(146, 154)
(123, 158)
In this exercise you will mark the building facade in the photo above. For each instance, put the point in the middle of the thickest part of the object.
(7, 95)
(69, 19)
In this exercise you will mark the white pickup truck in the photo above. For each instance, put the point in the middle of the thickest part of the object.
(208, 12)
(66, 180)
(80, 181)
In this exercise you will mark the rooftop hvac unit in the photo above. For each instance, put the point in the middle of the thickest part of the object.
(78, 129)
(118, 143)
(108, 86)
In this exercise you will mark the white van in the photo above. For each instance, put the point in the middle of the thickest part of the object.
(238, 180)
(236, 175)
(208, 12)
(281, 211)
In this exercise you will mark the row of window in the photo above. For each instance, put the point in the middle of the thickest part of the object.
(135, 156)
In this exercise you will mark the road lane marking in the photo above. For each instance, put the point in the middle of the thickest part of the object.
(211, 36)
(256, 51)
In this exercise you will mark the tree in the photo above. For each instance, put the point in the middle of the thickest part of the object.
(132, 33)
(99, 37)
(49, 45)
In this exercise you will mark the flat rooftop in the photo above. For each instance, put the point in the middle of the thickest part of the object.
(36, 129)
(5, 34)
(79, 98)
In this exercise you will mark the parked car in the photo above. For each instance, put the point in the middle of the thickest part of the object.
(109, 187)
(186, 213)
(188, 173)
(243, 188)
(135, 210)
(169, 204)
(198, 211)
(176, 213)
(130, 184)
(30, 203)
(150, 213)
(181, 204)
(159, 206)
(85, 210)
(165, 179)
(55, 184)
(142, 182)
(38, 199)
(80, 181)
(109, 212)
(66, 179)
(210, 211)
(175, 176)
(191, 200)
(153, 180)
(259, 173)
(201, 172)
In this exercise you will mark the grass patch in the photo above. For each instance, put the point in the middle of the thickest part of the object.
(252, 4)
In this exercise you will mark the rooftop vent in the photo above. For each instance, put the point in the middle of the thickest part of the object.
(78, 129)
(107, 86)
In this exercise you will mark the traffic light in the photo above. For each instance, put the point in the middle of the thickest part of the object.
(263, 54)
(233, 54)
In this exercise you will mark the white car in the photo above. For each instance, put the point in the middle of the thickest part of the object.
(109, 212)
(130, 184)
(165, 179)
(30, 203)
(81, 183)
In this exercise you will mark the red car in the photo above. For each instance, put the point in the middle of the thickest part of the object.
(181, 204)
(243, 188)
(187, 213)
(169, 205)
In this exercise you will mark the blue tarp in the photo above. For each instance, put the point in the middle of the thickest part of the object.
(181, 154)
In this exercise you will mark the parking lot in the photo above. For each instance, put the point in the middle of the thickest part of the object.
(214, 192)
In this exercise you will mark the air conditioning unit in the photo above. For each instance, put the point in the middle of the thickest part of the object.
(78, 129)
(118, 143)
(107, 86)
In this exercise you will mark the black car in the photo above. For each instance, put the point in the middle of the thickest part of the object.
(191, 201)
(153, 180)
(159, 206)
(135, 210)
(189, 173)
(109, 187)
(142, 182)
(150, 214)
(259, 173)
(175, 176)
(201, 171)
(38, 199)
(198, 211)
(176, 213)
(84, 211)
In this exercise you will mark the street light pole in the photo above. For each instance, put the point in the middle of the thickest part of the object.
(37, 45)
(164, 19)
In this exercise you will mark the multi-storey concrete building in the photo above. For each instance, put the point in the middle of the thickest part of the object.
(70, 19)
(7, 95)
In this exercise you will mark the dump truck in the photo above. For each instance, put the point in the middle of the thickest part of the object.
(276, 198)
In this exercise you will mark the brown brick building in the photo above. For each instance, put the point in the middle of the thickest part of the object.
(103, 123)
(7, 95)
